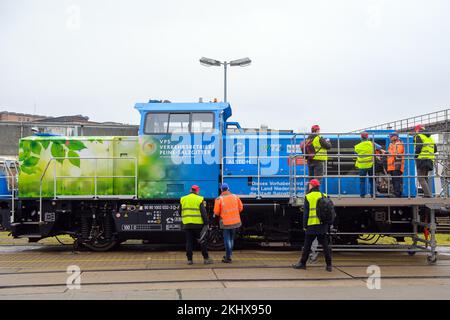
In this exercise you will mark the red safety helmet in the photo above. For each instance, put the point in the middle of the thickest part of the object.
(419, 127)
(364, 135)
(195, 188)
(314, 182)
(315, 128)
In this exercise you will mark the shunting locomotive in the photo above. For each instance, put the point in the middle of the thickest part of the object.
(105, 190)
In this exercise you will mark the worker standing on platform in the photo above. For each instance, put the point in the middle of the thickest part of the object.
(193, 218)
(315, 148)
(396, 163)
(314, 229)
(364, 162)
(228, 207)
(425, 149)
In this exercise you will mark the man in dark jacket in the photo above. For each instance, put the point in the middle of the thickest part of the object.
(194, 217)
(425, 149)
(313, 227)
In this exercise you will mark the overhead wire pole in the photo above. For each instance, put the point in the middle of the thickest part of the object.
(207, 62)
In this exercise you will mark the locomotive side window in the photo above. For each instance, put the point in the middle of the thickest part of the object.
(202, 122)
(179, 122)
(156, 123)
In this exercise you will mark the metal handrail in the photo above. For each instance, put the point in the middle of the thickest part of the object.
(95, 177)
(14, 187)
(425, 119)
(293, 164)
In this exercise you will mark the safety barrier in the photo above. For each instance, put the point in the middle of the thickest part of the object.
(95, 178)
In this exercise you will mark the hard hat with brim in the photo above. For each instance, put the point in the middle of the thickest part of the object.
(314, 182)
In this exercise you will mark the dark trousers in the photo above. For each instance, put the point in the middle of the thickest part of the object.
(423, 180)
(316, 170)
(397, 182)
(191, 236)
(323, 240)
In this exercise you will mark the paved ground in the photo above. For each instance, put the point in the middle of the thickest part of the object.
(144, 272)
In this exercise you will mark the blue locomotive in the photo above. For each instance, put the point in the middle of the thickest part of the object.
(105, 190)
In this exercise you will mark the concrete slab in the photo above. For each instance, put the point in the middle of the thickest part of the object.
(32, 291)
(278, 273)
(387, 292)
(148, 275)
(53, 278)
(401, 271)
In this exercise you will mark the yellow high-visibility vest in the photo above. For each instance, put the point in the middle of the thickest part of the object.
(427, 151)
(190, 209)
(321, 153)
(312, 199)
(365, 151)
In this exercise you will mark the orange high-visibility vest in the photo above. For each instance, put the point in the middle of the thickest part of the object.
(396, 150)
(228, 207)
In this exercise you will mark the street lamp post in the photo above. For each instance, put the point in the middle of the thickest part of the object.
(216, 63)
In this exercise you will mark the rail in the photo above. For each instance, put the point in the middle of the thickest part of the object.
(94, 177)
(428, 119)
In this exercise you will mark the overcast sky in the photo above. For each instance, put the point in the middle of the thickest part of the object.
(341, 64)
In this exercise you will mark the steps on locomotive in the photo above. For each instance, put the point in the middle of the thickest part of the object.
(27, 229)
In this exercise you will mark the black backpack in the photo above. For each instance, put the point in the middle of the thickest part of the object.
(325, 210)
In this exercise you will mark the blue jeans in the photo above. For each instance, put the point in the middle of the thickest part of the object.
(228, 239)
(363, 173)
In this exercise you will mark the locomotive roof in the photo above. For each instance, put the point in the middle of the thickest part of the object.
(167, 107)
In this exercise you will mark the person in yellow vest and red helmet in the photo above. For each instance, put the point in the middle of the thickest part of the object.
(228, 207)
(315, 148)
(313, 227)
(193, 218)
(364, 163)
(425, 149)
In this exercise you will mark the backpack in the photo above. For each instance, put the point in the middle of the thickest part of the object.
(309, 150)
(325, 210)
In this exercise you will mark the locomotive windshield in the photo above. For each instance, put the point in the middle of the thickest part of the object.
(195, 122)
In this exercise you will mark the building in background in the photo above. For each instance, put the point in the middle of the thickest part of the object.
(14, 126)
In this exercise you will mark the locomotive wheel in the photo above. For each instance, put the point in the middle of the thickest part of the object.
(101, 246)
(215, 240)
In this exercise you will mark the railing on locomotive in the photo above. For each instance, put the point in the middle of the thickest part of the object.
(95, 177)
(11, 180)
(409, 161)
(373, 136)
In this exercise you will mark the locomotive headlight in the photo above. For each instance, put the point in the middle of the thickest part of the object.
(123, 207)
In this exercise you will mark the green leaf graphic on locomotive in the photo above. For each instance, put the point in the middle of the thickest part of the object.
(45, 144)
(23, 154)
(30, 161)
(58, 151)
(74, 158)
(28, 170)
(75, 145)
(35, 147)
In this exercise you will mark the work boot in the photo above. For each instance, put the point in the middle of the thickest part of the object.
(329, 268)
(190, 262)
(299, 265)
(226, 260)
(208, 261)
